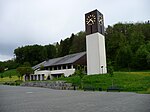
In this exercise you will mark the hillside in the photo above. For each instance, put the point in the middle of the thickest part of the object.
(127, 81)
(12, 72)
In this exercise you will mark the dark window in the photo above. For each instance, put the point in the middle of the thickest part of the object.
(39, 78)
(55, 67)
(64, 66)
(42, 76)
(74, 66)
(69, 66)
(59, 67)
(35, 77)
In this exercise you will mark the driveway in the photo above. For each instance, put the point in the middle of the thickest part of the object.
(32, 99)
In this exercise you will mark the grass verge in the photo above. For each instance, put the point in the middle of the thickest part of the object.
(128, 81)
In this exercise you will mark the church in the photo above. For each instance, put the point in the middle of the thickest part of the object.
(54, 68)
(93, 60)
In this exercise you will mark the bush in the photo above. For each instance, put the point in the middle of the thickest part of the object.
(18, 82)
(15, 83)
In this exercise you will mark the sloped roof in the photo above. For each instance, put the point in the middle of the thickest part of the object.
(68, 59)
(38, 65)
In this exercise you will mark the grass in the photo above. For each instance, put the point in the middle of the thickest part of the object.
(127, 81)
(145, 92)
(13, 72)
(7, 79)
(6, 74)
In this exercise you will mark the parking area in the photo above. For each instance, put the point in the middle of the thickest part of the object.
(32, 99)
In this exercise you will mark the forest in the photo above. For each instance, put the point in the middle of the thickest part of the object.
(127, 48)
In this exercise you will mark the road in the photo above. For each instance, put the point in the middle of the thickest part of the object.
(32, 99)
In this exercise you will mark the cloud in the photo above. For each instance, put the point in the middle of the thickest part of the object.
(5, 57)
(24, 22)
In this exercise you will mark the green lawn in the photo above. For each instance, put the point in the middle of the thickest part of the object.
(7, 79)
(6, 74)
(127, 81)
(12, 72)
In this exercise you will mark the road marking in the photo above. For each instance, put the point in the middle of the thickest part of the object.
(29, 92)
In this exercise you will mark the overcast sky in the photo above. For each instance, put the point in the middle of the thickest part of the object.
(28, 22)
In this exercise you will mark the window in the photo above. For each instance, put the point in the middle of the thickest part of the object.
(59, 67)
(69, 66)
(64, 66)
(50, 68)
(55, 67)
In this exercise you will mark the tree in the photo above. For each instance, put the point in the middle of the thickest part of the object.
(42, 67)
(123, 42)
(32, 54)
(80, 72)
(26, 64)
(124, 57)
(1, 68)
(148, 55)
(148, 60)
(142, 57)
(136, 40)
(24, 71)
(74, 44)
(51, 51)
(79, 43)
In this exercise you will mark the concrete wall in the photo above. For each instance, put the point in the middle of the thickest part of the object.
(96, 55)
(61, 85)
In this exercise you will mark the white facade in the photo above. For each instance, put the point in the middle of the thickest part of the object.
(39, 73)
(66, 72)
(96, 54)
(52, 73)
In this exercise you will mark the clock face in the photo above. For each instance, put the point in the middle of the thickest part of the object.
(90, 20)
(94, 22)
(100, 20)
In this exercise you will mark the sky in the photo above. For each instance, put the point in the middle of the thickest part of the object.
(43, 22)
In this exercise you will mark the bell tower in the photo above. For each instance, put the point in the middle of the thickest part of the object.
(95, 43)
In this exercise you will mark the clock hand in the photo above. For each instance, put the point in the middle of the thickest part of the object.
(101, 21)
(90, 21)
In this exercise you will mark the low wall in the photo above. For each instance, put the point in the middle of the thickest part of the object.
(59, 85)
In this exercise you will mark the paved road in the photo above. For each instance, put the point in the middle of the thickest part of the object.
(31, 99)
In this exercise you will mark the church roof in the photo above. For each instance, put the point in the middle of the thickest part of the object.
(68, 59)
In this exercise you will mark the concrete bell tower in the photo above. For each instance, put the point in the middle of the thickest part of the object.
(95, 43)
